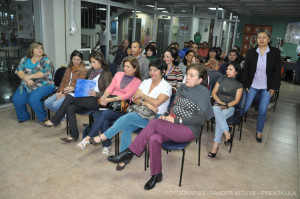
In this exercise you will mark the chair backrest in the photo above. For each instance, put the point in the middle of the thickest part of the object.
(59, 74)
(213, 78)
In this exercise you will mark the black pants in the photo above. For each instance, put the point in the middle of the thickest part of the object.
(70, 106)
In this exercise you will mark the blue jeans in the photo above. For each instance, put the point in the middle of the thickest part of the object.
(127, 123)
(221, 124)
(53, 104)
(103, 119)
(34, 99)
(264, 99)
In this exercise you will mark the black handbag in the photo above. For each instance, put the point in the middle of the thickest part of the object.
(143, 111)
(118, 106)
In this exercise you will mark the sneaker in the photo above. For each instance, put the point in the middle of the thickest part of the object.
(105, 150)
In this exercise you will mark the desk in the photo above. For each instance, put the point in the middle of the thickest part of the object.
(8, 58)
(295, 68)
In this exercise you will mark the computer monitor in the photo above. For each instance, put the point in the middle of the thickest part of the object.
(86, 55)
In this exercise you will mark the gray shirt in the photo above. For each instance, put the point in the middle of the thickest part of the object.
(144, 66)
(182, 67)
(228, 88)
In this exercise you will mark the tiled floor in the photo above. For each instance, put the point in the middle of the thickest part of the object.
(34, 163)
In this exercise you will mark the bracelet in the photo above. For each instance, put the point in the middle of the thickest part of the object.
(115, 98)
(141, 102)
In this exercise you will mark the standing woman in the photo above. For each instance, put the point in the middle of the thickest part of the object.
(35, 71)
(99, 73)
(76, 70)
(186, 61)
(212, 60)
(261, 75)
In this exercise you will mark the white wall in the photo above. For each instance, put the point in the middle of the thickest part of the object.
(52, 29)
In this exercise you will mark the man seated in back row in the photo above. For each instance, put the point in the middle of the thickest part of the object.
(136, 52)
(232, 56)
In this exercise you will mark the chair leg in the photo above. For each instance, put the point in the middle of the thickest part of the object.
(48, 111)
(207, 127)
(67, 121)
(182, 163)
(241, 126)
(211, 126)
(117, 143)
(199, 149)
(146, 151)
(232, 138)
(245, 116)
(148, 156)
(32, 114)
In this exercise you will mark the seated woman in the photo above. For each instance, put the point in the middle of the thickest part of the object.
(191, 107)
(150, 52)
(35, 71)
(76, 70)
(186, 61)
(227, 93)
(124, 85)
(212, 59)
(99, 73)
(154, 93)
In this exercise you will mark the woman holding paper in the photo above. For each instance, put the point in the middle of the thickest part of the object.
(99, 73)
(75, 70)
(123, 86)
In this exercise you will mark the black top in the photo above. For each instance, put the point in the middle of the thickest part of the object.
(120, 55)
(228, 88)
(273, 68)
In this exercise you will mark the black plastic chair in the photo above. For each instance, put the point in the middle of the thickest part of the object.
(175, 146)
(58, 76)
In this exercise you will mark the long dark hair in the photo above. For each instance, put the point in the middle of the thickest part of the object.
(74, 54)
(212, 49)
(99, 57)
(237, 68)
(173, 54)
(184, 60)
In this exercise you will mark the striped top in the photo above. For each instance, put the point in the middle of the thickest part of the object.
(175, 78)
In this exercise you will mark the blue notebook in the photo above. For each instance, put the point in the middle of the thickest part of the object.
(83, 87)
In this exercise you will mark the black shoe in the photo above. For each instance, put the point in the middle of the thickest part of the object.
(213, 155)
(258, 139)
(121, 157)
(153, 180)
(68, 139)
(119, 167)
(229, 141)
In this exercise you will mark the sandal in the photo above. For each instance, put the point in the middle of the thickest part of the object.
(213, 155)
(46, 123)
(93, 142)
(82, 145)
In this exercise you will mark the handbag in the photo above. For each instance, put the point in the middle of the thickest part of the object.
(118, 106)
(143, 111)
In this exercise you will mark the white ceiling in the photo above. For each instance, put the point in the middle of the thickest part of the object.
(284, 8)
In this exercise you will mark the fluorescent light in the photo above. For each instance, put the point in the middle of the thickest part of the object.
(160, 8)
(215, 8)
(165, 11)
(101, 9)
(151, 6)
(183, 11)
(137, 11)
